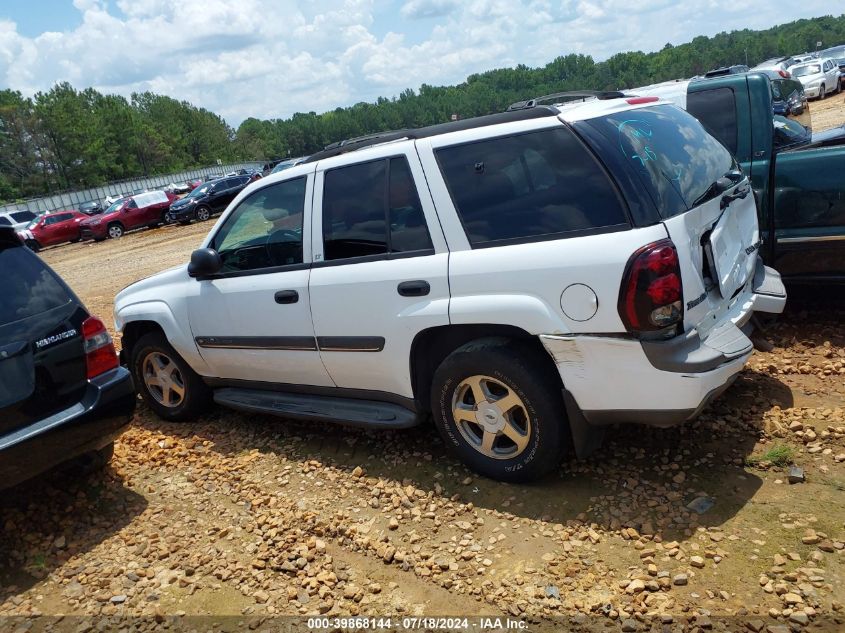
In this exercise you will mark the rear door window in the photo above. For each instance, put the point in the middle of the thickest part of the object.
(373, 208)
(676, 159)
(30, 288)
(716, 109)
(529, 187)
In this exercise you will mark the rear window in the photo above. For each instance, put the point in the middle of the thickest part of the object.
(716, 109)
(528, 187)
(28, 287)
(22, 216)
(676, 159)
(4, 221)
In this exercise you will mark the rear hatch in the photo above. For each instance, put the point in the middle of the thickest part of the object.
(705, 200)
(42, 358)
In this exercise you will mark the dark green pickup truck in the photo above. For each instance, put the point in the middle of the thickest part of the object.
(798, 177)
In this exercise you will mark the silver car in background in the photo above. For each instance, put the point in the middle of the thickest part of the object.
(819, 77)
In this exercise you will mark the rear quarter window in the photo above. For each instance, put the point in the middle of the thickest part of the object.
(716, 109)
(675, 158)
(27, 286)
(528, 187)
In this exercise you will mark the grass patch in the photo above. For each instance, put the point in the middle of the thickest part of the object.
(778, 455)
(39, 561)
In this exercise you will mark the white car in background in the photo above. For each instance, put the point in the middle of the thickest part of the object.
(18, 220)
(819, 77)
(776, 63)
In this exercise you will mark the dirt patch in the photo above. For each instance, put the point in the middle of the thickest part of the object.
(828, 113)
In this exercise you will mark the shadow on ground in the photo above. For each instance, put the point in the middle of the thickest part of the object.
(84, 510)
(633, 481)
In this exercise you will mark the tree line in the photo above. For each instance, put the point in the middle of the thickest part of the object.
(66, 138)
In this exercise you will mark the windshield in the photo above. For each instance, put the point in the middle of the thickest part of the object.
(836, 53)
(803, 71)
(115, 205)
(789, 132)
(199, 191)
(33, 223)
(675, 157)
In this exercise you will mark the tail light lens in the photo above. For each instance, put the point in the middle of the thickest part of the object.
(100, 355)
(651, 297)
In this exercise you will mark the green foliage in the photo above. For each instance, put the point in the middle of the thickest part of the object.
(65, 138)
(778, 455)
(494, 90)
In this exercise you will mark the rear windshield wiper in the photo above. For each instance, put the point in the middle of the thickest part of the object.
(721, 185)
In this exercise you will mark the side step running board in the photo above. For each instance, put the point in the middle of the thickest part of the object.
(361, 413)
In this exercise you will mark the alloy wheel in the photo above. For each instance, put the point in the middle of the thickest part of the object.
(203, 214)
(115, 231)
(163, 380)
(491, 417)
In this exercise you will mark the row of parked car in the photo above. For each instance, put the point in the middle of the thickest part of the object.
(796, 78)
(193, 200)
(820, 74)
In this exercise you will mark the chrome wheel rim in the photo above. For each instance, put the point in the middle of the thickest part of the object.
(163, 380)
(491, 417)
(202, 214)
(115, 231)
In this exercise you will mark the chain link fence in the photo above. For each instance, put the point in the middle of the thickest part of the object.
(72, 199)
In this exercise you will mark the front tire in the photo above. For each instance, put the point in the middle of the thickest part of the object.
(115, 231)
(165, 381)
(498, 406)
(203, 213)
(33, 245)
(822, 92)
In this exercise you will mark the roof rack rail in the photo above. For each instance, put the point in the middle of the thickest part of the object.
(571, 95)
(350, 145)
(369, 139)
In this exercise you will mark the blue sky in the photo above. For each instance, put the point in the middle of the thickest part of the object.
(271, 58)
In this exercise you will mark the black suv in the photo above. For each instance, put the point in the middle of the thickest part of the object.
(92, 207)
(62, 392)
(209, 198)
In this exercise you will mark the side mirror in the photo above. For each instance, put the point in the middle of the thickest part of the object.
(204, 261)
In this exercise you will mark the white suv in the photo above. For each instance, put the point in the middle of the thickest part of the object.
(525, 277)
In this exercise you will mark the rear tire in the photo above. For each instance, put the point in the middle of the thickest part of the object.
(165, 381)
(519, 440)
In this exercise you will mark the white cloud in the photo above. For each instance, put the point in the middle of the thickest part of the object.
(269, 59)
(421, 9)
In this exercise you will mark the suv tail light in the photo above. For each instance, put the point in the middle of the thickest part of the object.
(651, 297)
(100, 355)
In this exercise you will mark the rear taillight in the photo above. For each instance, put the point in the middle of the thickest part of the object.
(100, 355)
(651, 297)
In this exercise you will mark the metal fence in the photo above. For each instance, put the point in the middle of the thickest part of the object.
(72, 199)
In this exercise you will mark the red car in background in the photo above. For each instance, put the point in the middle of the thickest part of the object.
(132, 212)
(53, 228)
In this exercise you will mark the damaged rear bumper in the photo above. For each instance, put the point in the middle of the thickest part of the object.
(612, 379)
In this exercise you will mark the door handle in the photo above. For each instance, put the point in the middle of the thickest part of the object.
(416, 288)
(286, 296)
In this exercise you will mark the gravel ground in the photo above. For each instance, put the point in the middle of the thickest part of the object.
(251, 516)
